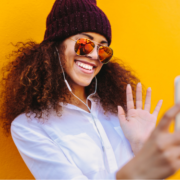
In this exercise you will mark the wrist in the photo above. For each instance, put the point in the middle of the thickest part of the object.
(128, 171)
(132, 170)
(122, 174)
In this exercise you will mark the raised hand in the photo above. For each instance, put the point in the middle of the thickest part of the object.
(138, 123)
(160, 156)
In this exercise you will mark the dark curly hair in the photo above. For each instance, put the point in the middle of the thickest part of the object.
(32, 82)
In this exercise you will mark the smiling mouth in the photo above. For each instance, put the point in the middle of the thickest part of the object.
(85, 65)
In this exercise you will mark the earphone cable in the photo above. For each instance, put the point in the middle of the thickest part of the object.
(81, 100)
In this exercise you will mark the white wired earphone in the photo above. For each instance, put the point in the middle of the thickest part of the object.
(86, 104)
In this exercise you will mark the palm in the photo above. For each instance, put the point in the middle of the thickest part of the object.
(139, 123)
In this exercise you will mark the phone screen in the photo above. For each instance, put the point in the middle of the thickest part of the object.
(177, 99)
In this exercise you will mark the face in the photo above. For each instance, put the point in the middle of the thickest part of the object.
(82, 69)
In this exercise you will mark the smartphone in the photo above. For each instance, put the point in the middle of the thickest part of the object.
(177, 99)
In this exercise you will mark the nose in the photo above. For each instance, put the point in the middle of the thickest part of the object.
(94, 53)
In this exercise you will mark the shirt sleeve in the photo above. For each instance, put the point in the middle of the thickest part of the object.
(42, 156)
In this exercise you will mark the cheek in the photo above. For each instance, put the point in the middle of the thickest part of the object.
(69, 58)
(98, 68)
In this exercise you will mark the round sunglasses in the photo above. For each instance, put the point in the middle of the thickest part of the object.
(84, 46)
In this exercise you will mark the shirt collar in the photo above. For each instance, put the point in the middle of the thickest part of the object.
(71, 106)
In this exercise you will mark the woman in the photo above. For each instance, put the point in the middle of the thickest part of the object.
(60, 101)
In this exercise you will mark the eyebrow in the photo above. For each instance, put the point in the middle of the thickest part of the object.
(90, 37)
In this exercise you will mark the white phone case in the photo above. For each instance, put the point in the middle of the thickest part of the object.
(177, 99)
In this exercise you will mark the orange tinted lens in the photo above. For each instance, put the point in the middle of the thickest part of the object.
(84, 46)
(105, 54)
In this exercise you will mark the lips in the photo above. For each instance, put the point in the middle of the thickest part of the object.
(85, 67)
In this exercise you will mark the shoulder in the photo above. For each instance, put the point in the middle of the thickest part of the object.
(26, 125)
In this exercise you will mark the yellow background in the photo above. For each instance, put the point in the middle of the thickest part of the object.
(146, 36)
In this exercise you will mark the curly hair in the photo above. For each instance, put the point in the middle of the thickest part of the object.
(33, 82)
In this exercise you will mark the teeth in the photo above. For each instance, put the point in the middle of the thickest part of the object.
(85, 66)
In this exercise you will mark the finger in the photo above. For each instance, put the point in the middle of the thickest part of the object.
(168, 117)
(175, 152)
(177, 165)
(147, 106)
(172, 156)
(172, 139)
(129, 96)
(166, 141)
(139, 96)
(158, 107)
(121, 114)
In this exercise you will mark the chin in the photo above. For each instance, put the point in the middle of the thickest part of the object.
(79, 80)
(84, 84)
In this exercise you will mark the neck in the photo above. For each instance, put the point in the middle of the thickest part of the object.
(79, 91)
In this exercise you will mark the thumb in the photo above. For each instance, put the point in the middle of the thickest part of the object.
(121, 115)
(168, 117)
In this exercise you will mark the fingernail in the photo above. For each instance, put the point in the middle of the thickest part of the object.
(119, 107)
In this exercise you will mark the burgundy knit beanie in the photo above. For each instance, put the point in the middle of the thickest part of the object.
(70, 17)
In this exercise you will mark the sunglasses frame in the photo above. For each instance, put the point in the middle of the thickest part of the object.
(98, 46)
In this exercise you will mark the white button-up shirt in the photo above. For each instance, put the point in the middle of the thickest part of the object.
(69, 146)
